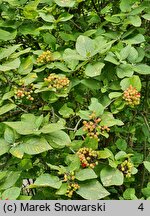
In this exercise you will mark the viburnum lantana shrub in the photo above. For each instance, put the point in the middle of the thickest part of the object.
(74, 99)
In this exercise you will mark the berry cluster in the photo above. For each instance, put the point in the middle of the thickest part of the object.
(131, 96)
(126, 168)
(88, 157)
(57, 81)
(45, 57)
(24, 92)
(69, 176)
(93, 128)
(72, 186)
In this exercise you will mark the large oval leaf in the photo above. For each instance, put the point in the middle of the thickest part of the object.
(92, 190)
(110, 176)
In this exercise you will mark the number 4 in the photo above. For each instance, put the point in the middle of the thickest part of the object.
(141, 207)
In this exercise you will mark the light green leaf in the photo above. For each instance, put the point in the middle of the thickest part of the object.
(4, 146)
(9, 135)
(10, 180)
(65, 3)
(66, 111)
(110, 176)
(23, 128)
(134, 81)
(92, 190)
(85, 46)
(124, 70)
(93, 70)
(51, 128)
(11, 193)
(103, 154)
(6, 52)
(139, 38)
(85, 174)
(109, 120)
(11, 65)
(64, 17)
(47, 180)
(6, 35)
(135, 20)
(142, 69)
(8, 95)
(35, 145)
(6, 108)
(125, 52)
(147, 165)
(111, 58)
(26, 66)
(96, 107)
(114, 95)
(58, 139)
(47, 17)
(129, 194)
(146, 16)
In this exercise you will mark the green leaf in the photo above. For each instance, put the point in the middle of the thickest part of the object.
(85, 46)
(9, 135)
(6, 108)
(51, 128)
(30, 78)
(63, 189)
(124, 70)
(110, 176)
(6, 52)
(125, 52)
(139, 38)
(121, 144)
(23, 128)
(35, 145)
(85, 174)
(147, 165)
(11, 65)
(10, 180)
(4, 146)
(26, 66)
(11, 193)
(133, 55)
(58, 139)
(73, 162)
(8, 95)
(93, 70)
(66, 111)
(103, 154)
(46, 180)
(135, 20)
(92, 190)
(129, 194)
(121, 155)
(96, 107)
(47, 17)
(134, 81)
(109, 120)
(65, 3)
(64, 17)
(125, 6)
(146, 16)
(6, 35)
(111, 58)
(17, 151)
(114, 95)
(142, 69)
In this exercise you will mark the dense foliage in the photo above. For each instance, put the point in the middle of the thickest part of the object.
(74, 99)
